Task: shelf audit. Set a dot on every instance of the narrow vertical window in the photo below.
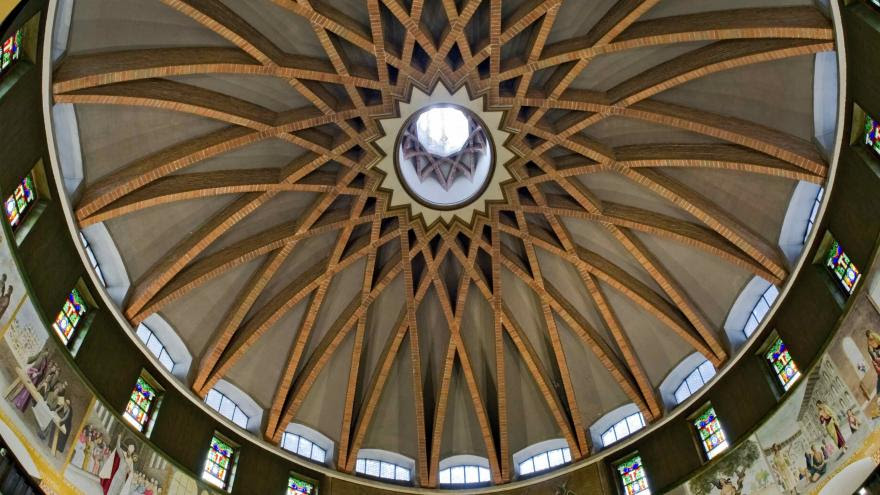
(11, 50)
(632, 476)
(220, 463)
(143, 403)
(70, 317)
(711, 435)
(843, 269)
(20, 202)
(782, 364)
(296, 486)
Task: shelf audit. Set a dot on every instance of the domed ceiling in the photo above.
(646, 153)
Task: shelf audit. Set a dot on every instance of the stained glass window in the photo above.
(694, 381)
(296, 486)
(632, 475)
(623, 428)
(872, 134)
(711, 434)
(19, 203)
(782, 364)
(70, 316)
(225, 406)
(11, 50)
(139, 409)
(218, 465)
(303, 446)
(545, 460)
(381, 469)
(842, 267)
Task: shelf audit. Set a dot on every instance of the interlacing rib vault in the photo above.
(553, 164)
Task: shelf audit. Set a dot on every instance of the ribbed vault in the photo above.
(565, 300)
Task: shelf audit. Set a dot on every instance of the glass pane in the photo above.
(485, 476)
(240, 418)
(682, 393)
(555, 457)
(401, 474)
(360, 466)
(541, 462)
(305, 448)
(154, 345)
(456, 475)
(444, 477)
(386, 470)
(751, 325)
(213, 399)
(289, 442)
(694, 381)
(372, 467)
(227, 407)
(318, 454)
(771, 294)
(166, 361)
(621, 430)
(707, 371)
(471, 474)
(608, 437)
(143, 333)
(527, 467)
(635, 423)
(566, 454)
(761, 308)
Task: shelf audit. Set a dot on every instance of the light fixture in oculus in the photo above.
(444, 156)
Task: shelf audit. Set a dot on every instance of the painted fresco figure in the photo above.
(36, 373)
(65, 416)
(817, 463)
(782, 466)
(80, 451)
(5, 295)
(873, 339)
(116, 475)
(832, 427)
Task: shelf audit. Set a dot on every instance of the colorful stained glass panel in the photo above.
(782, 364)
(140, 404)
(296, 486)
(711, 435)
(842, 267)
(70, 316)
(11, 50)
(872, 134)
(632, 475)
(20, 201)
(218, 463)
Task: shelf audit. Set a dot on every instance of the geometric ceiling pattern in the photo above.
(459, 342)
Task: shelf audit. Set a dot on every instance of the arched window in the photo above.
(235, 405)
(813, 212)
(760, 310)
(623, 428)
(685, 379)
(92, 260)
(103, 256)
(545, 460)
(465, 470)
(155, 346)
(617, 425)
(383, 464)
(306, 442)
(694, 381)
(163, 342)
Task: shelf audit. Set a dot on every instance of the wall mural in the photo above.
(829, 421)
(78, 445)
